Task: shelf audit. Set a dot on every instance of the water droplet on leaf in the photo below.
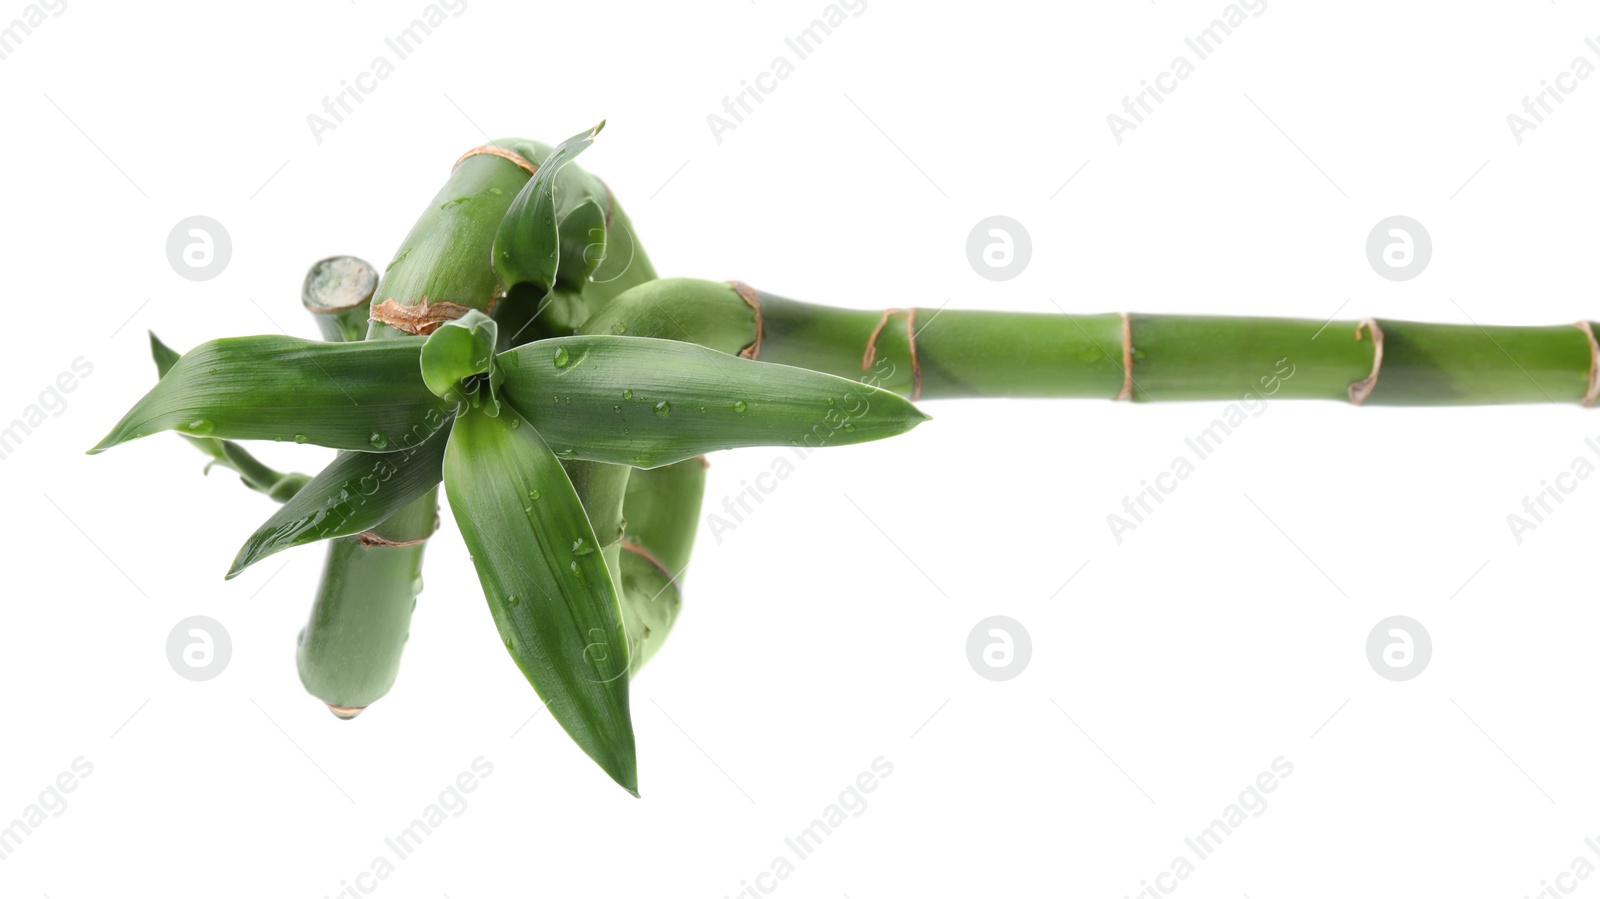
(563, 358)
(378, 441)
(663, 408)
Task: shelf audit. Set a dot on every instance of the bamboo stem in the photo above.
(348, 654)
(930, 353)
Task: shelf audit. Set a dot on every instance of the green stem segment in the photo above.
(349, 651)
(663, 511)
(932, 353)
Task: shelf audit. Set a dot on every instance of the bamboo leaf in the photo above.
(458, 361)
(356, 493)
(549, 591)
(526, 245)
(645, 402)
(228, 454)
(353, 396)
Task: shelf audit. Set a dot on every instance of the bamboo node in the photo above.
(753, 300)
(911, 344)
(370, 539)
(1590, 395)
(1360, 390)
(502, 152)
(421, 318)
(1126, 393)
(650, 557)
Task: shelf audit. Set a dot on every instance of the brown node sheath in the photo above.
(502, 152)
(1126, 393)
(370, 539)
(911, 342)
(648, 556)
(422, 318)
(1360, 390)
(753, 300)
(1593, 392)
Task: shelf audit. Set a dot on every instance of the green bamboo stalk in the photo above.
(348, 654)
(933, 353)
(445, 266)
(662, 508)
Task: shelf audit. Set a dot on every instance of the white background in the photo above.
(829, 629)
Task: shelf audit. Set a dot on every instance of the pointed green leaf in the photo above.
(356, 493)
(548, 587)
(458, 362)
(355, 396)
(526, 245)
(228, 454)
(645, 402)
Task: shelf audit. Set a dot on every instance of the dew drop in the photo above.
(563, 358)
(627, 394)
(582, 547)
(740, 405)
(533, 494)
(201, 426)
(577, 572)
(512, 600)
(663, 408)
(496, 191)
(849, 426)
(301, 438)
(516, 423)
(830, 400)
(378, 441)
(617, 409)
